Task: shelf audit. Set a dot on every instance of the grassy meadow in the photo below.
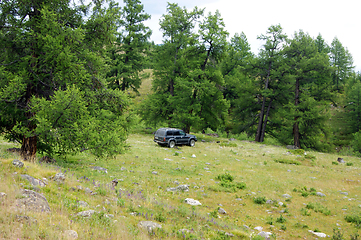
(248, 180)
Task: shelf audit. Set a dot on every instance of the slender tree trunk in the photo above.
(265, 121)
(296, 131)
(261, 114)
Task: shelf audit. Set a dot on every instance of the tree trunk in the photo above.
(296, 131)
(265, 121)
(261, 114)
(28, 148)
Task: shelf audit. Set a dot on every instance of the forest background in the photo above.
(69, 74)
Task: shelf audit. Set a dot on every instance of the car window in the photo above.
(169, 133)
(182, 133)
(176, 133)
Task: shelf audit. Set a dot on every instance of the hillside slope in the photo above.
(241, 186)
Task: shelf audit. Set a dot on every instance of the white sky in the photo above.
(331, 18)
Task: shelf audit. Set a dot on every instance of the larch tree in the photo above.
(341, 62)
(128, 53)
(54, 94)
(268, 72)
(308, 73)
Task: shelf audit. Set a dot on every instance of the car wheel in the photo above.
(192, 143)
(171, 144)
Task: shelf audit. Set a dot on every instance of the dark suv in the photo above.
(173, 136)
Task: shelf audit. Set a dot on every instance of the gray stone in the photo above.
(192, 202)
(184, 188)
(32, 201)
(193, 155)
(292, 147)
(265, 235)
(155, 173)
(33, 181)
(83, 204)
(87, 190)
(18, 163)
(87, 213)
(344, 193)
(259, 228)
(286, 196)
(70, 234)
(280, 203)
(269, 202)
(25, 219)
(221, 211)
(340, 160)
(59, 177)
(238, 199)
(109, 215)
(320, 194)
(101, 169)
(149, 225)
(123, 169)
(3, 195)
(318, 234)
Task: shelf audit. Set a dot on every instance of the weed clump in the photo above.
(226, 184)
(287, 161)
(259, 200)
(355, 219)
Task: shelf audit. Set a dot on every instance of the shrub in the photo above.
(281, 219)
(225, 177)
(259, 200)
(356, 219)
(349, 164)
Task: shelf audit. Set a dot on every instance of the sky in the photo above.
(330, 18)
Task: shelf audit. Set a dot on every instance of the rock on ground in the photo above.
(149, 225)
(59, 177)
(33, 181)
(318, 234)
(70, 234)
(32, 201)
(100, 169)
(265, 235)
(222, 211)
(87, 213)
(18, 163)
(192, 202)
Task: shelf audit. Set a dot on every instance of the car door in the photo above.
(183, 137)
(177, 137)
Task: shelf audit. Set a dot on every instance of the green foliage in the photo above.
(128, 53)
(317, 207)
(226, 177)
(56, 55)
(355, 219)
(281, 219)
(259, 200)
(337, 235)
(226, 184)
(68, 124)
(228, 144)
(287, 161)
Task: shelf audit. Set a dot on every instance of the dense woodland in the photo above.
(66, 69)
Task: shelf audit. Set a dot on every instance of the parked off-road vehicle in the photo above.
(172, 136)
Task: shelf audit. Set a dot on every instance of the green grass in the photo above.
(217, 177)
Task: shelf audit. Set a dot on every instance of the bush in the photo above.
(225, 177)
(259, 200)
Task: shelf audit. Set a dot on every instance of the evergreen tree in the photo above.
(187, 78)
(341, 61)
(128, 53)
(53, 91)
(309, 73)
(268, 73)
